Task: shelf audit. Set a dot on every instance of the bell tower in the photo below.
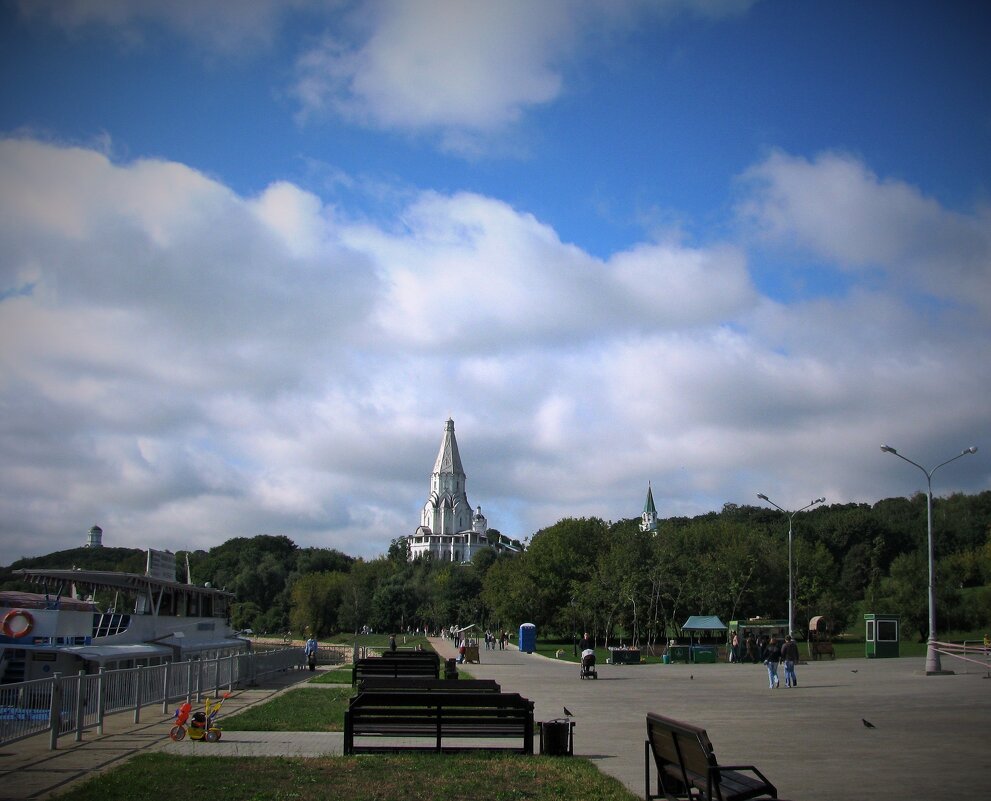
(648, 520)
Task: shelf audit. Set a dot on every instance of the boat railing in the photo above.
(69, 705)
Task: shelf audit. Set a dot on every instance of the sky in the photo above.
(253, 255)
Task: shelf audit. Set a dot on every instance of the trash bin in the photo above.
(555, 737)
(451, 668)
(704, 654)
(680, 653)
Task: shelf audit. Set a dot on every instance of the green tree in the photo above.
(509, 593)
(559, 557)
(316, 602)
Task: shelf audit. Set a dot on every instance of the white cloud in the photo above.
(182, 365)
(439, 63)
(465, 68)
(841, 211)
(504, 279)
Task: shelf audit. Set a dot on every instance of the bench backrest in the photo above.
(426, 656)
(422, 684)
(399, 700)
(381, 666)
(680, 749)
(373, 664)
(438, 715)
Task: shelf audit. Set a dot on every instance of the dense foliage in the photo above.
(613, 580)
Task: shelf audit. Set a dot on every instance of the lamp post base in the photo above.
(934, 666)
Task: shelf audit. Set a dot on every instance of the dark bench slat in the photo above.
(439, 715)
(409, 653)
(418, 683)
(425, 664)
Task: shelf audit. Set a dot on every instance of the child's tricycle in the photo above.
(203, 726)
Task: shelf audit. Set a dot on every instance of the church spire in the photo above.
(648, 520)
(447, 510)
(448, 458)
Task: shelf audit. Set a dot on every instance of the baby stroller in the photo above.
(588, 670)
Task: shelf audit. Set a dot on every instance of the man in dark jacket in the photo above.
(771, 658)
(789, 655)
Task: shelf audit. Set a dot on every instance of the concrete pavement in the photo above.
(932, 737)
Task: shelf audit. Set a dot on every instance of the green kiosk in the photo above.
(882, 635)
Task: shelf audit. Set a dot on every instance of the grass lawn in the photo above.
(411, 777)
(337, 676)
(304, 709)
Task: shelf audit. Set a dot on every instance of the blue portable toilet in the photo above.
(528, 638)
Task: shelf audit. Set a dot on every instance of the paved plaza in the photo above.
(932, 735)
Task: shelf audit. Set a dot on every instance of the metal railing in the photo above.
(63, 705)
(970, 652)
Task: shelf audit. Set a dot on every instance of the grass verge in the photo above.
(338, 676)
(304, 709)
(412, 777)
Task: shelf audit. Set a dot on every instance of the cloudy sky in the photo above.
(254, 254)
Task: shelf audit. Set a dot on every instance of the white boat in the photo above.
(87, 620)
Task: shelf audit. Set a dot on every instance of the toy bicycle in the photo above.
(202, 726)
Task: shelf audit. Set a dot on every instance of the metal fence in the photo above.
(63, 705)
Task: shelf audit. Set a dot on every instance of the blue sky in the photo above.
(255, 254)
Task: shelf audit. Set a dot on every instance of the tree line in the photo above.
(616, 582)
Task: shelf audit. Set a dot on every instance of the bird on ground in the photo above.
(868, 724)
(691, 678)
(853, 671)
(568, 712)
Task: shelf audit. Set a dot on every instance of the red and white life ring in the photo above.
(22, 629)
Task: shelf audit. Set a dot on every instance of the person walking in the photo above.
(751, 648)
(772, 655)
(310, 651)
(789, 655)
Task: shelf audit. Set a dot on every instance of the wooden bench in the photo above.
(687, 767)
(440, 717)
(427, 665)
(419, 684)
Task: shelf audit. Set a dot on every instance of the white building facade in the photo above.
(449, 529)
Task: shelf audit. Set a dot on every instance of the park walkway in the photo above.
(932, 737)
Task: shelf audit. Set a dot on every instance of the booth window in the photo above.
(870, 631)
(887, 631)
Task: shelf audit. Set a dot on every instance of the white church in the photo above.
(449, 529)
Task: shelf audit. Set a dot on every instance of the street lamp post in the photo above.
(791, 518)
(933, 664)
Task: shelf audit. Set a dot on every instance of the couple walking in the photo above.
(787, 653)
